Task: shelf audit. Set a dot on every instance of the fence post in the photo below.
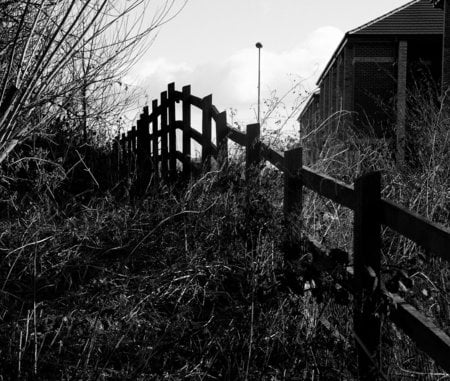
(123, 146)
(206, 130)
(222, 139)
(129, 152)
(133, 136)
(143, 150)
(252, 149)
(292, 203)
(155, 138)
(139, 148)
(116, 151)
(164, 152)
(133, 140)
(124, 156)
(186, 132)
(115, 162)
(252, 159)
(367, 264)
(172, 132)
(146, 136)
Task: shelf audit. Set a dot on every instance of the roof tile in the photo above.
(416, 17)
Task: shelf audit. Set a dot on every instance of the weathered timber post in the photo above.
(116, 151)
(155, 138)
(139, 143)
(252, 159)
(133, 140)
(133, 149)
(367, 264)
(172, 132)
(252, 149)
(129, 152)
(164, 145)
(123, 145)
(292, 205)
(143, 150)
(222, 139)
(206, 131)
(186, 132)
(124, 156)
(128, 140)
(146, 132)
(115, 159)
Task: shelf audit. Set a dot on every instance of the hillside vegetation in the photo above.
(193, 280)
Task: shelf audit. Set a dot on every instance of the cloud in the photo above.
(233, 81)
(155, 74)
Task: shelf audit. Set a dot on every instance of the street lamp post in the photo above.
(259, 46)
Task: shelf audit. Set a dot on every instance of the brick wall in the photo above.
(325, 96)
(375, 85)
(310, 115)
(402, 68)
(322, 102)
(375, 49)
(339, 82)
(446, 48)
(374, 92)
(348, 82)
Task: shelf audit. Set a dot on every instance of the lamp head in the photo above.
(259, 45)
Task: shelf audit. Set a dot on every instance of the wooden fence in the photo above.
(155, 152)
(150, 147)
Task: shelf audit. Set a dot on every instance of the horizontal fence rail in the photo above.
(152, 152)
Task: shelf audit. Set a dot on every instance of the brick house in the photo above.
(371, 68)
(445, 6)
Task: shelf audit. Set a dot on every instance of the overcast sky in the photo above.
(211, 45)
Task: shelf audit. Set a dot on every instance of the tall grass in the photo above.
(193, 281)
(164, 287)
(422, 185)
